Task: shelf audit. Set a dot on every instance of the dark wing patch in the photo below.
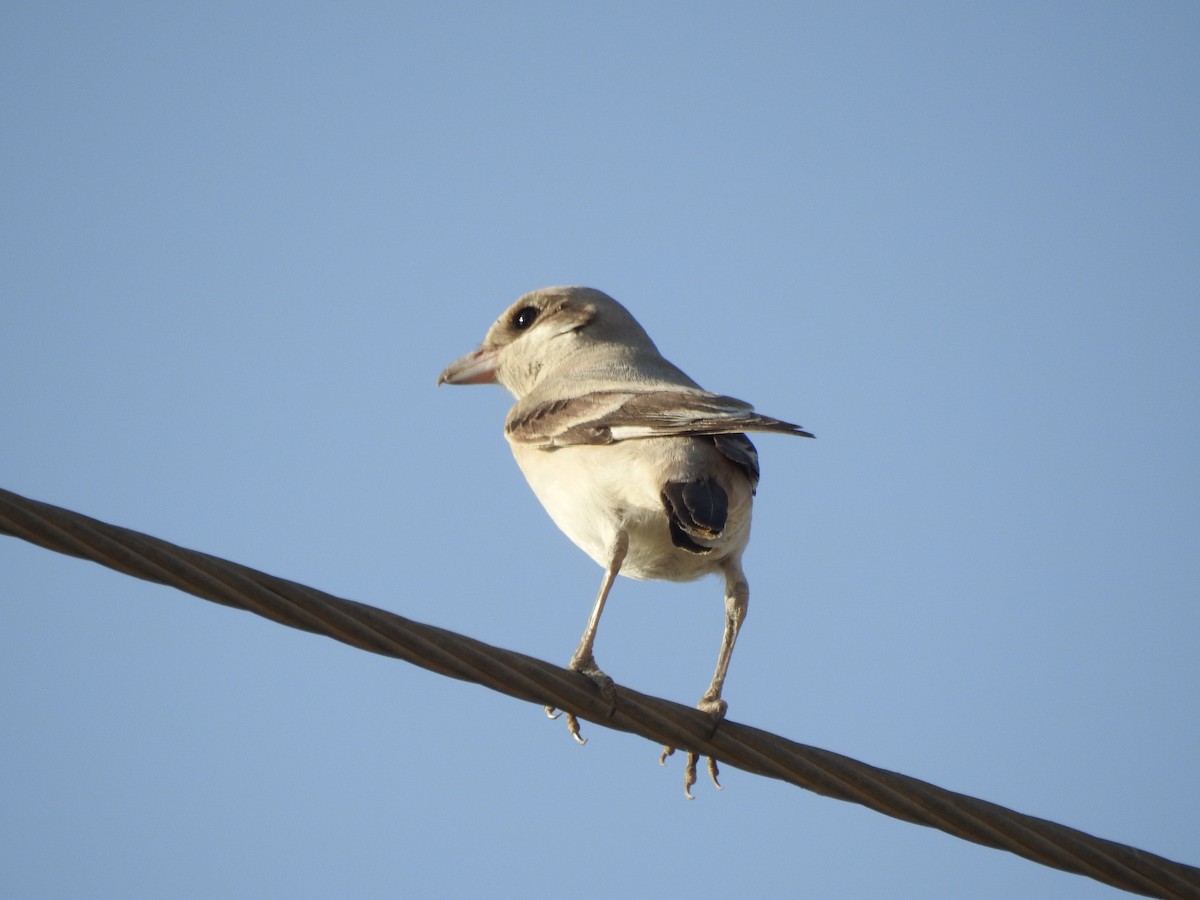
(696, 510)
(738, 450)
(560, 423)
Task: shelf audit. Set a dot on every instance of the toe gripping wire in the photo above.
(661, 721)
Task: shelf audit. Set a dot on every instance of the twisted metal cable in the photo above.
(661, 721)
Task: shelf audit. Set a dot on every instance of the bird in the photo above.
(647, 473)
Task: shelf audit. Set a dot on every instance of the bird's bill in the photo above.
(477, 367)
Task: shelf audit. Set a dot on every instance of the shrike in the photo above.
(649, 475)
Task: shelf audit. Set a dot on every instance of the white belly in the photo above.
(592, 491)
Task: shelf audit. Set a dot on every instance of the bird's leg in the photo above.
(737, 600)
(584, 660)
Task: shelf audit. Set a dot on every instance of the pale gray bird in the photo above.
(644, 471)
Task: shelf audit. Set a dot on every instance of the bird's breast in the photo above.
(592, 491)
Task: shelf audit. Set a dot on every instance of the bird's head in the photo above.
(555, 332)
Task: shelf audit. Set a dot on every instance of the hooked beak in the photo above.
(477, 367)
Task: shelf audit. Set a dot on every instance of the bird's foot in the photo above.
(587, 666)
(572, 724)
(689, 771)
(715, 707)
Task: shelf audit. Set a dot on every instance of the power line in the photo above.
(539, 682)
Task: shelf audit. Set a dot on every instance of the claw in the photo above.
(572, 723)
(689, 775)
(573, 727)
(689, 770)
(587, 667)
(712, 773)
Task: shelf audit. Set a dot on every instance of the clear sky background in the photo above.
(238, 242)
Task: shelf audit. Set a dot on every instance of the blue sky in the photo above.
(239, 242)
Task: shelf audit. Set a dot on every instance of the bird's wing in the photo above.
(604, 417)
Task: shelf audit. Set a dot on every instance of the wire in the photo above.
(661, 721)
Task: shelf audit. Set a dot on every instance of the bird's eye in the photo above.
(524, 317)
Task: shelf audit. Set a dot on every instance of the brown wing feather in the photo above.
(603, 417)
